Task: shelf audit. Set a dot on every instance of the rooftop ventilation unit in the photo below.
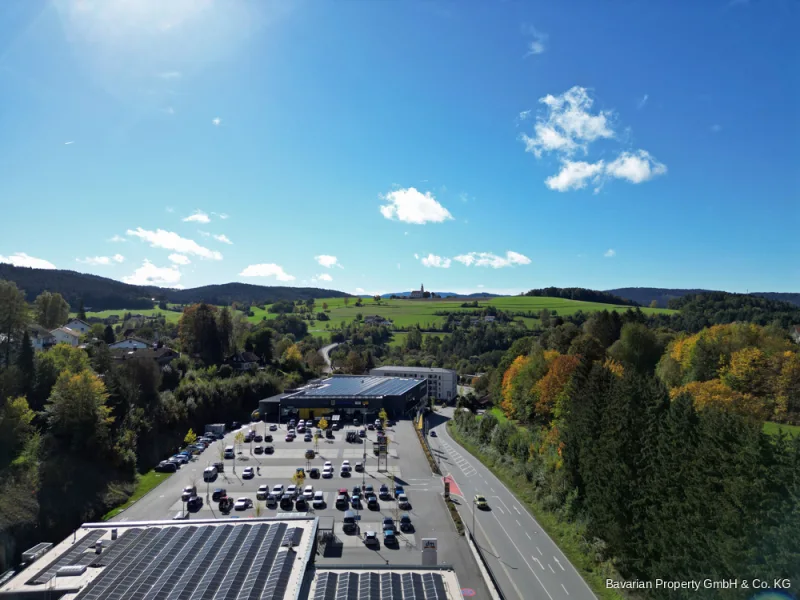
(36, 552)
(71, 571)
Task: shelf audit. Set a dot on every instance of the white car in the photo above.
(328, 465)
(263, 492)
(308, 492)
(327, 472)
(346, 462)
(292, 490)
(248, 473)
(277, 490)
(319, 499)
(345, 467)
(243, 504)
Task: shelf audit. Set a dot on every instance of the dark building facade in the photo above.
(349, 396)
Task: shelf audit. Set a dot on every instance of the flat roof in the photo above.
(361, 386)
(260, 557)
(390, 583)
(394, 369)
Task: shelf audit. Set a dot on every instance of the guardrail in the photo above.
(485, 569)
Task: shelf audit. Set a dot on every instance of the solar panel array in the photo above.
(245, 562)
(81, 552)
(379, 586)
(362, 386)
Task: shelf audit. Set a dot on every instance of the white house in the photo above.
(79, 326)
(65, 335)
(41, 339)
(131, 343)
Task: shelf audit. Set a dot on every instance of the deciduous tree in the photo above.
(52, 310)
(13, 317)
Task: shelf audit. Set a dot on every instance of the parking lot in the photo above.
(406, 462)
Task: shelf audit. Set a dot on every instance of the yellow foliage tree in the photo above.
(715, 393)
(615, 367)
(553, 383)
(507, 387)
(747, 371)
(323, 423)
(292, 355)
(190, 437)
(551, 355)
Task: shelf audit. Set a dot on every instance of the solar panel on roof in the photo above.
(71, 555)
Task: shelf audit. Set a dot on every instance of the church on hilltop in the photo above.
(420, 293)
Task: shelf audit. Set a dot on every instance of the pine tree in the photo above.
(81, 311)
(26, 364)
(108, 335)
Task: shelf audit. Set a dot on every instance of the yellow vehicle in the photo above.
(480, 501)
(301, 472)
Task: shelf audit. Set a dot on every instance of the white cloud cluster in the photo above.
(20, 259)
(170, 240)
(436, 261)
(267, 270)
(536, 45)
(179, 259)
(610, 253)
(150, 274)
(216, 121)
(101, 260)
(328, 261)
(117, 238)
(569, 126)
(412, 206)
(487, 259)
(322, 277)
(198, 217)
(222, 238)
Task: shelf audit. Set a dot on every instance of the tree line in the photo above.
(581, 294)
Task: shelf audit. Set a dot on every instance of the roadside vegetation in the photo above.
(145, 483)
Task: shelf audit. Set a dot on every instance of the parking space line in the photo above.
(529, 535)
(551, 567)
(565, 589)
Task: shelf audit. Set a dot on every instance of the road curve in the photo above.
(325, 352)
(526, 562)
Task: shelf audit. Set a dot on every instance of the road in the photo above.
(326, 354)
(526, 562)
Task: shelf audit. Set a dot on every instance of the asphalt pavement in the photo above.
(526, 562)
(325, 351)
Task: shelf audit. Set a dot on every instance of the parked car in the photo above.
(355, 500)
(389, 538)
(210, 474)
(388, 523)
(166, 467)
(194, 504)
(301, 504)
(243, 504)
(372, 502)
(308, 438)
(368, 489)
(267, 438)
(272, 500)
(384, 491)
(226, 504)
(287, 501)
(356, 489)
(220, 467)
(319, 499)
(258, 438)
(371, 539)
(327, 472)
(181, 458)
(174, 461)
(188, 492)
(269, 449)
(433, 433)
(310, 454)
(313, 472)
(405, 523)
(341, 501)
(402, 501)
(292, 490)
(289, 438)
(218, 493)
(362, 433)
(273, 427)
(248, 473)
(308, 492)
(277, 489)
(359, 466)
(398, 490)
(258, 450)
(371, 427)
(262, 493)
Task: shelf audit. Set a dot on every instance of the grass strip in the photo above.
(144, 484)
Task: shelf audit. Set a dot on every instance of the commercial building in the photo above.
(348, 396)
(379, 583)
(231, 558)
(442, 383)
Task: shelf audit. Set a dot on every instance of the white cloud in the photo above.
(149, 274)
(568, 124)
(436, 261)
(610, 253)
(95, 260)
(170, 75)
(68, 143)
(573, 175)
(416, 256)
(169, 240)
(322, 277)
(411, 206)
(359, 290)
(488, 259)
(118, 258)
(179, 259)
(222, 216)
(480, 285)
(635, 167)
(222, 238)
(537, 43)
(328, 261)
(117, 238)
(20, 259)
(267, 270)
(405, 233)
(524, 115)
(642, 101)
(198, 217)
(216, 121)
(204, 233)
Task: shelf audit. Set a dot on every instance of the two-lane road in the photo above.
(526, 562)
(325, 352)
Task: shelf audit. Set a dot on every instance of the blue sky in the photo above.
(375, 145)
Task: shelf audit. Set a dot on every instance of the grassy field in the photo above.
(146, 483)
(399, 338)
(774, 428)
(171, 316)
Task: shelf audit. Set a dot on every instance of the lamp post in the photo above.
(474, 508)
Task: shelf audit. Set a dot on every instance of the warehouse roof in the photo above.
(358, 385)
(401, 369)
(239, 557)
(376, 583)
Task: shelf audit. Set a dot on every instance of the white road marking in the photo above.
(537, 562)
(558, 563)
(551, 567)
(518, 523)
(491, 488)
(516, 509)
(501, 510)
(523, 556)
(565, 589)
(540, 552)
(528, 534)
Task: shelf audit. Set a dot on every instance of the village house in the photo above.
(244, 361)
(41, 339)
(162, 356)
(65, 335)
(130, 343)
(79, 326)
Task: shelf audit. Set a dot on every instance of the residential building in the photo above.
(79, 326)
(163, 356)
(418, 293)
(244, 361)
(65, 335)
(131, 342)
(41, 339)
(442, 383)
(349, 397)
(111, 320)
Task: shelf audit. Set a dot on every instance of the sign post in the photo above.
(429, 557)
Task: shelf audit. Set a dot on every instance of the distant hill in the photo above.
(449, 295)
(645, 296)
(583, 295)
(102, 293)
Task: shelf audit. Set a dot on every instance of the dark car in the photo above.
(268, 449)
(219, 466)
(287, 501)
(356, 489)
(384, 491)
(362, 433)
(368, 489)
(258, 450)
(267, 438)
(371, 427)
(258, 438)
(389, 538)
(218, 493)
(433, 433)
(273, 427)
(301, 504)
(355, 500)
(194, 504)
(341, 501)
(372, 502)
(405, 523)
(388, 523)
(313, 472)
(166, 467)
(329, 434)
(272, 500)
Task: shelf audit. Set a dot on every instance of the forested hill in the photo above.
(645, 295)
(102, 293)
(583, 295)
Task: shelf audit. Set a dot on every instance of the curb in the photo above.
(487, 579)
